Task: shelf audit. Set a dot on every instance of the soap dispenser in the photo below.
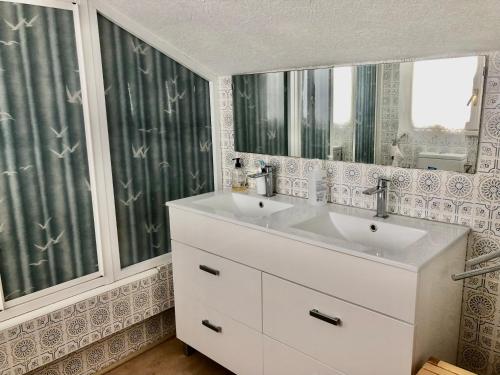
(239, 182)
(317, 186)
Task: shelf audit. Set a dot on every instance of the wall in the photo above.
(471, 200)
(48, 338)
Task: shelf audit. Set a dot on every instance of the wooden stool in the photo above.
(436, 367)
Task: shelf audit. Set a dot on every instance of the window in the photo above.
(67, 172)
(160, 139)
(47, 232)
(441, 91)
(342, 95)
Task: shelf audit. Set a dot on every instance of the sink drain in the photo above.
(261, 204)
(373, 228)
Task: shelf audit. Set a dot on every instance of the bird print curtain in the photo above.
(159, 127)
(260, 113)
(366, 96)
(46, 219)
(315, 112)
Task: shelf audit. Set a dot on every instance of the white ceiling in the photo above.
(240, 36)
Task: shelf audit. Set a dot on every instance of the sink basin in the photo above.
(374, 234)
(244, 205)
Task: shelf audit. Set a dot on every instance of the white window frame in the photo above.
(99, 162)
(48, 296)
(131, 26)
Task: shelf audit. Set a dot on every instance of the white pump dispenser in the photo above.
(317, 186)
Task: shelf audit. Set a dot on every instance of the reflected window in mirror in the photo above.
(439, 99)
(438, 113)
(343, 114)
(260, 113)
(315, 112)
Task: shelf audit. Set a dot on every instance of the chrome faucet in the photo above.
(381, 191)
(267, 173)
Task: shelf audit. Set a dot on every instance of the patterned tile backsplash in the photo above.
(472, 200)
(107, 352)
(47, 338)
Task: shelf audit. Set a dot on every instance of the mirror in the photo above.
(422, 114)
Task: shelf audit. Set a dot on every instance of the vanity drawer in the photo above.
(235, 345)
(344, 336)
(280, 359)
(222, 284)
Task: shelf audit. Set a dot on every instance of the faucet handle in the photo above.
(268, 169)
(382, 181)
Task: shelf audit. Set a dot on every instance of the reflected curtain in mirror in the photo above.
(260, 113)
(366, 96)
(46, 218)
(159, 129)
(315, 112)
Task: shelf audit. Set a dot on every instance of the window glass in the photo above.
(440, 92)
(160, 134)
(46, 218)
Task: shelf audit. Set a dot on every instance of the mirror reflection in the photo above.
(423, 114)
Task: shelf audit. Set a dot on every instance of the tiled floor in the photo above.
(168, 359)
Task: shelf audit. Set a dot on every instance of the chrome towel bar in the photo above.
(480, 271)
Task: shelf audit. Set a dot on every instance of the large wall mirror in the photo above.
(422, 114)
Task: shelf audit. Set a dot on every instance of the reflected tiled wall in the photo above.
(47, 338)
(472, 200)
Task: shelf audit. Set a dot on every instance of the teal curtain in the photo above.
(315, 110)
(366, 95)
(159, 127)
(46, 219)
(260, 113)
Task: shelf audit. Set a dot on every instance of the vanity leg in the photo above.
(188, 350)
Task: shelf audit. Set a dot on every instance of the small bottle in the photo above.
(317, 187)
(239, 180)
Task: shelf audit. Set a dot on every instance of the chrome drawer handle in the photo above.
(209, 270)
(207, 324)
(326, 318)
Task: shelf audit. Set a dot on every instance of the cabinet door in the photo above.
(226, 286)
(226, 341)
(280, 359)
(352, 339)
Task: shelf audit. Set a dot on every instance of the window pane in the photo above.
(441, 90)
(342, 95)
(46, 219)
(159, 128)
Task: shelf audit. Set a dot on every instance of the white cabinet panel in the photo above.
(280, 359)
(362, 342)
(380, 287)
(219, 283)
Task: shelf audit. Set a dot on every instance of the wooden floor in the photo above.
(168, 359)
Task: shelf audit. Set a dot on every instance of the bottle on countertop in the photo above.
(239, 180)
(317, 186)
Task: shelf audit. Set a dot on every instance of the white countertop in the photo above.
(439, 235)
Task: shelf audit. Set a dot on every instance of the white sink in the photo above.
(374, 234)
(243, 205)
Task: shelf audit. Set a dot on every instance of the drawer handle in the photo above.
(209, 270)
(329, 319)
(207, 324)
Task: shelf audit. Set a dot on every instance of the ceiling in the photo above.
(241, 36)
